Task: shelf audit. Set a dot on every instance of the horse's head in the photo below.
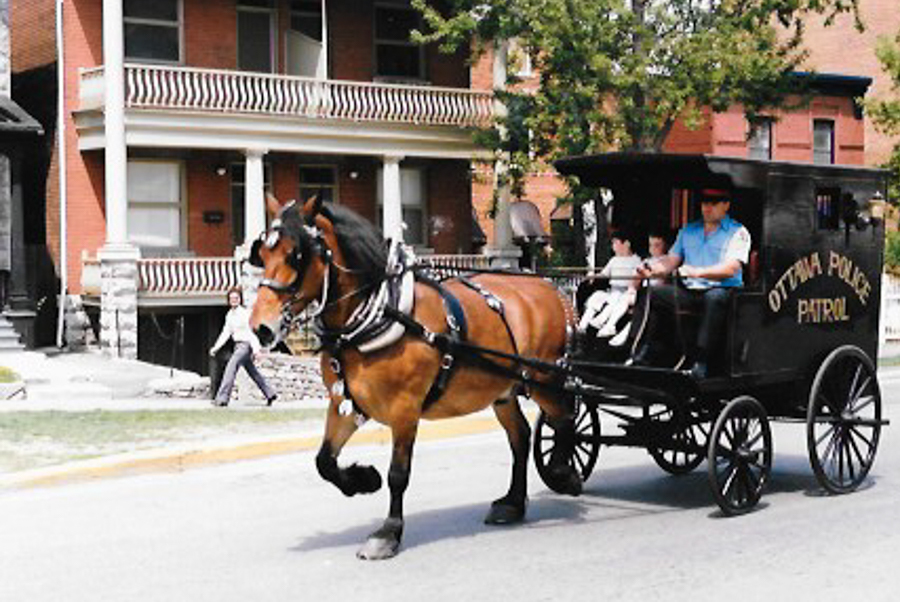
(295, 254)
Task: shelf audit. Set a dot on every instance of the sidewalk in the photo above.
(88, 380)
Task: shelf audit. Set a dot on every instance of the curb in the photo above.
(164, 460)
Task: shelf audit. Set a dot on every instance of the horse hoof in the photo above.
(505, 513)
(362, 479)
(383, 543)
(566, 480)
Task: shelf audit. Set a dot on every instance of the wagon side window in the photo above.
(828, 208)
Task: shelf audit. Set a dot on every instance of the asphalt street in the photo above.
(272, 530)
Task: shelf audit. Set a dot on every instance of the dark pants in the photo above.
(242, 356)
(665, 305)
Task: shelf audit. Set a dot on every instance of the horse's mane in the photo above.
(362, 245)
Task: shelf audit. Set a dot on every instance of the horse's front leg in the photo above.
(385, 542)
(354, 478)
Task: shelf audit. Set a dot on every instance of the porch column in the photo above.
(118, 258)
(503, 253)
(254, 196)
(254, 219)
(391, 203)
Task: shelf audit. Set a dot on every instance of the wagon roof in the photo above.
(613, 170)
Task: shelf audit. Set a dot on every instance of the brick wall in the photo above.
(85, 221)
(842, 49)
(32, 33)
(208, 191)
(449, 210)
(210, 34)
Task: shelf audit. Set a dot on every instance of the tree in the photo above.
(885, 112)
(616, 74)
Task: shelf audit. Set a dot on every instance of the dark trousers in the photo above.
(661, 309)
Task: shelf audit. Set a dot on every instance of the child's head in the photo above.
(621, 243)
(656, 244)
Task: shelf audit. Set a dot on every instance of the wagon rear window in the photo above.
(828, 203)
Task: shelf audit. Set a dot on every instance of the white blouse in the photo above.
(237, 326)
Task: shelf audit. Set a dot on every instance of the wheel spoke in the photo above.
(864, 403)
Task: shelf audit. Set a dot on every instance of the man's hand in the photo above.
(212, 353)
(689, 271)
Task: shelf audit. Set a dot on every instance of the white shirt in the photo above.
(620, 270)
(237, 326)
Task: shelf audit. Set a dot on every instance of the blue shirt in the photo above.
(729, 241)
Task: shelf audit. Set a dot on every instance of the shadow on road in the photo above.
(609, 495)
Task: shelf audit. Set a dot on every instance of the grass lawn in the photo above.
(33, 439)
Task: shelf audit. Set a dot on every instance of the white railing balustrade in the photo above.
(222, 91)
(447, 266)
(890, 308)
(188, 275)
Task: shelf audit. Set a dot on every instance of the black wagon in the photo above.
(802, 333)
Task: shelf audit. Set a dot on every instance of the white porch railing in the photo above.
(188, 275)
(181, 276)
(221, 91)
(890, 308)
(446, 266)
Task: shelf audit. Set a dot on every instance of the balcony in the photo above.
(183, 106)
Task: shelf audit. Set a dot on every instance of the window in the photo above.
(519, 59)
(152, 30)
(256, 36)
(238, 192)
(154, 203)
(306, 18)
(395, 55)
(412, 195)
(314, 178)
(828, 208)
(305, 41)
(759, 142)
(823, 142)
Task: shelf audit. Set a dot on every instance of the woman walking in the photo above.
(246, 346)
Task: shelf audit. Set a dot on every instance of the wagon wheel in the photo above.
(740, 455)
(843, 419)
(583, 456)
(685, 437)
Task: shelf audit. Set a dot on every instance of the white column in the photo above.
(116, 154)
(392, 206)
(504, 253)
(118, 258)
(254, 196)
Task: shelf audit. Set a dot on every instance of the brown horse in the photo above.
(337, 259)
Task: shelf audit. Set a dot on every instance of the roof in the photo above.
(639, 170)
(14, 119)
(836, 84)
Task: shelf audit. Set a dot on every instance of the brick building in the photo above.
(178, 113)
(840, 48)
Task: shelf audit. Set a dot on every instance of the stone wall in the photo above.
(293, 377)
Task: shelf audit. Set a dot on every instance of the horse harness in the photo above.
(385, 316)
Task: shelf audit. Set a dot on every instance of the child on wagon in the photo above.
(657, 246)
(604, 308)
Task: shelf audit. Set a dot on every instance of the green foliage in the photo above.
(7, 375)
(615, 74)
(892, 252)
(885, 112)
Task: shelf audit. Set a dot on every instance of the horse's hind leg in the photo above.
(511, 507)
(560, 412)
(385, 542)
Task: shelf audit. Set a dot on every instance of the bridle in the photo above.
(299, 262)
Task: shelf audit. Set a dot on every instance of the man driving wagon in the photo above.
(708, 255)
